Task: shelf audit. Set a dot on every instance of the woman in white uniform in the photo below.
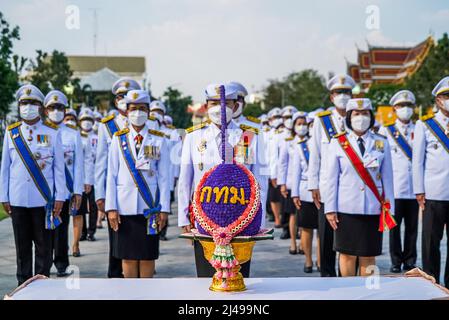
(359, 198)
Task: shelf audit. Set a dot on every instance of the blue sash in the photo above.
(39, 180)
(305, 150)
(112, 127)
(328, 125)
(69, 184)
(400, 140)
(436, 129)
(154, 207)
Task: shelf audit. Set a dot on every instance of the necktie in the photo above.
(138, 139)
(361, 145)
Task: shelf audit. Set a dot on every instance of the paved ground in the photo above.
(270, 258)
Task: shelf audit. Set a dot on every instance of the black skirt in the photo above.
(132, 241)
(308, 215)
(274, 194)
(358, 235)
(288, 207)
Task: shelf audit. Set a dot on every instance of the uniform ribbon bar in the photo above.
(154, 207)
(36, 174)
(401, 141)
(69, 184)
(438, 132)
(386, 220)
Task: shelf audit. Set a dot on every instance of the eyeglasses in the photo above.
(342, 91)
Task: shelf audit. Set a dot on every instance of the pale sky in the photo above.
(190, 43)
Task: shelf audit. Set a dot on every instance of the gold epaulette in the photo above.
(14, 125)
(108, 118)
(427, 117)
(253, 119)
(389, 124)
(71, 127)
(84, 134)
(278, 131)
(245, 127)
(301, 141)
(289, 138)
(156, 133)
(196, 127)
(339, 134)
(266, 129)
(121, 132)
(324, 113)
(151, 118)
(170, 126)
(51, 125)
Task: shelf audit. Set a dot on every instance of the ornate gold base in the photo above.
(243, 252)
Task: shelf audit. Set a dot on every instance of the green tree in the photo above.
(8, 76)
(305, 90)
(380, 94)
(434, 68)
(176, 105)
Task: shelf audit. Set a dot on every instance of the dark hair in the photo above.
(348, 119)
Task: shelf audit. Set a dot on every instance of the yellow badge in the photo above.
(28, 91)
(202, 146)
(379, 145)
(360, 104)
(135, 95)
(55, 98)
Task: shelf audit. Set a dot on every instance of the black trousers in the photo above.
(115, 269)
(88, 205)
(405, 210)
(205, 270)
(435, 217)
(61, 240)
(327, 253)
(29, 227)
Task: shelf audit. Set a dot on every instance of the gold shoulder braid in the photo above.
(427, 117)
(339, 134)
(51, 125)
(14, 125)
(156, 133)
(324, 113)
(196, 127)
(252, 119)
(106, 119)
(71, 127)
(121, 132)
(249, 128)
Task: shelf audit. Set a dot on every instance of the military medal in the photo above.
(37, 156)
(200, 166)
(379, 145)
(202, 146)
(435, 146)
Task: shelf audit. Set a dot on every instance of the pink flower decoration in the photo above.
(222, 236)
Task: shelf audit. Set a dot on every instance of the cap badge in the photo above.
(360, 104)
(55, 98)
(342, 80)
(126, 84)
(28, 91)
(135, 95)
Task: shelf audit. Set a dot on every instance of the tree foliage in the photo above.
(176, 105)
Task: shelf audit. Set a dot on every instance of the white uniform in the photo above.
(430, 159)
(298, 172)
(122, 193)
(74, 157)
(89, 140)
(275, 140)
(174, 145)
(201, 151)
(287, 151)
(101, 161)
(319, 148)
(402, 165)
(345, 191)
(17, 185)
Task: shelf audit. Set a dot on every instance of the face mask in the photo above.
(404, 113)
(158, 116)
(86, 125)
(288, 123)
(56, 116)
(276, 122)
(121, 105)
(301, 130)
(360, 123)
(341, 101)
(71, 123)
(29, 111)
(214, 114)
(138, 117)
(239, 110)
(445, 104)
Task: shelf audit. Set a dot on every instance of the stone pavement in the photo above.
(270, 258)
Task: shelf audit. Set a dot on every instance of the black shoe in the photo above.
(300, 251)
(318, 268)
(285, 235)
(91, 237)
(76, 254)
(83, 237)
(408, 267)
(163, 238)
(62, 273)
(395, 269)
(278, 226)
(292, 251)
(308, 269)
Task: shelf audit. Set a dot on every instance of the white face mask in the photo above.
(121, 105)
(360, 123)
(288, 123)
(158, 116)
(404, 113)
(445, 104)
(137, 117)
(29, 111)
(276, 122)
(301, 130)
(341, 100)
(239, 110)
(70, 123)
(86, 125)
(214, 114)
(56, 116)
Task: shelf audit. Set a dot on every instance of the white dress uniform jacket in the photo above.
(101, 161)
(345, 191)
(287, 151)
(318, 151)
(173, 142)
(74, 157)
(122, 193)
(299, 173)
(17, 186)
(402, 166)
(201, 151)
(89, 140)
(276, 139)
(430, 162)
